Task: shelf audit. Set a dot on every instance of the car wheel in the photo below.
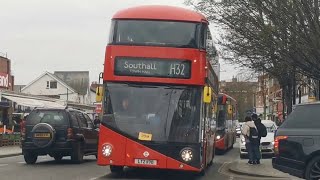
(57, 157)
(313, 169)
(116, 169)
(30, 158)
(77, 155)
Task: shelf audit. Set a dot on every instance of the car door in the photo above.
(93, 133)
(84, 130)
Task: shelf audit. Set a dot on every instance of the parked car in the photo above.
(238, 129)
(297, 143)
(59, 133)
(266, 144)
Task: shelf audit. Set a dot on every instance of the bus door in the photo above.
(208, 134)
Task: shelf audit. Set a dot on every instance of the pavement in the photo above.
(263, 170)
(8, 151)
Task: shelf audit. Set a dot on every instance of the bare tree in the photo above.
(279, 37)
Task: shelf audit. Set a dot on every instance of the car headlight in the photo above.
(106, 150)
(186, 155)
(218, 137)
(272, 142)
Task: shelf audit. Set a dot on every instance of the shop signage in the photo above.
(4, 80)
(98, 109)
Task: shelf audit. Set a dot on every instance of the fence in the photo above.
(12, 139)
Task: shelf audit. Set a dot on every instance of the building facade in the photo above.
(243, 93)
(54, 86)
(6, 77)
(6, 83)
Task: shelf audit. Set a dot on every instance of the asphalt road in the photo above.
(14, 168)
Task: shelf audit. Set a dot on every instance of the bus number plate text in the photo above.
(145, 162)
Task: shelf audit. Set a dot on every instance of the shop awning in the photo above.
(30, 102)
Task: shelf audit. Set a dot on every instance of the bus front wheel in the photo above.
(116, 169)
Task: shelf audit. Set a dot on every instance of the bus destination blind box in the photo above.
(151, 67)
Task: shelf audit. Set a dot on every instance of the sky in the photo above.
(63, 35)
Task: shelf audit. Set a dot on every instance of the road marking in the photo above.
(22, 162)
(94, 178)
(3, 165)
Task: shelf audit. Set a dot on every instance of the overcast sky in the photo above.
(62, 35)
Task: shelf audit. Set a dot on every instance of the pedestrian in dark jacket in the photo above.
(96, 121)
(261, 128)
(250, 133)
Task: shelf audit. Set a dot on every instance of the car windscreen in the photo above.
(304, 116)
(54, 117)
(156, 33)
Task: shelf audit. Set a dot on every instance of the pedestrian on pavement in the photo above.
(262, 132)
(250, 133)
(96, 121)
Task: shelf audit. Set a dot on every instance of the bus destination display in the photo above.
(129, 66)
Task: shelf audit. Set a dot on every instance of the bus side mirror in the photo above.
(207, 94)
(99, 94)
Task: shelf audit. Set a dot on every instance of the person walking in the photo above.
(96, 121)
(250, 133)
(262, 132)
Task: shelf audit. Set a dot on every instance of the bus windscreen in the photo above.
(168, 113)
(156, 33)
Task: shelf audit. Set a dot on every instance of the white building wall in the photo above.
(39, 87)
(92, 97)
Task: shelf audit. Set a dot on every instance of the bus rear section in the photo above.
(226, 123)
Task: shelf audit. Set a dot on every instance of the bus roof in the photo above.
(160, 12)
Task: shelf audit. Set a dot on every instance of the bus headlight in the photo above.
(218, 137)
(106, 150)
(186, 155)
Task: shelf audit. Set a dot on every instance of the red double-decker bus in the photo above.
(227, 118)
(159, 91)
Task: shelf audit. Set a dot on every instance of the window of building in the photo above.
(52, 84)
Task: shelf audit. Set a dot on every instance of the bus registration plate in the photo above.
(145, 162)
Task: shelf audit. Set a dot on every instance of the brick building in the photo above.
(6, 83)
(6, 78)
(243, 93)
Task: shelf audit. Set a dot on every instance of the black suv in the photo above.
(297, 143)
(58, 132)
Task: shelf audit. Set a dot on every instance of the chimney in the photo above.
(234, 79)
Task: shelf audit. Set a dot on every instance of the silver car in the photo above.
(266, 144)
